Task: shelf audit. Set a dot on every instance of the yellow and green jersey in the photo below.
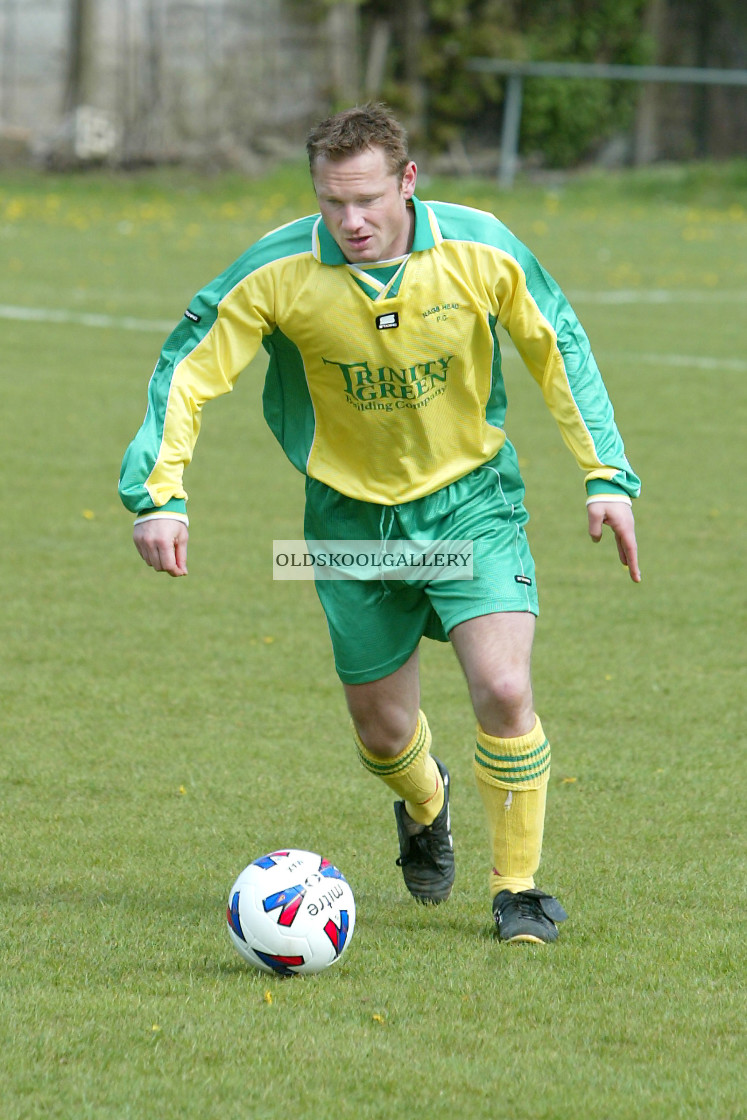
(384, 381)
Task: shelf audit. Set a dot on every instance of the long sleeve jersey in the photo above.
(383, 381)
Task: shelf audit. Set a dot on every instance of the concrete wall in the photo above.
(167, 78)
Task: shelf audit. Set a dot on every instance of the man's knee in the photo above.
(503, 702)
(385, 712)
(384, 730)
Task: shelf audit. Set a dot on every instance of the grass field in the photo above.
(159, 734)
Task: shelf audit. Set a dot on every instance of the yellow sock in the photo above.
(412, 774)
(512, 777)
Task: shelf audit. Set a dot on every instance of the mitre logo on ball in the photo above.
(291, 912)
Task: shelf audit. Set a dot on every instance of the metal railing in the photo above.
(516, 71)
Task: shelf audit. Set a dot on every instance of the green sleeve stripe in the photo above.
(175, 505)
(604, 486)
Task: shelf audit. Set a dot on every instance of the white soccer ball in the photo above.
(291, 912)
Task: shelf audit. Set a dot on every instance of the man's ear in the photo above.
(409, 178)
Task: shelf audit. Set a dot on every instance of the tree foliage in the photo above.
(562, 119)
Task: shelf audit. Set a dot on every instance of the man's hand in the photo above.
(162, 543)
(619, 517)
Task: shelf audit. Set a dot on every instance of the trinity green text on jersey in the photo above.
(367, 384)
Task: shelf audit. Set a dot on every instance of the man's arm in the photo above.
(201, 359)
(162, 543)
(557, 352)
(619, 517)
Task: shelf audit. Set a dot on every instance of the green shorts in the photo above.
(376, 625)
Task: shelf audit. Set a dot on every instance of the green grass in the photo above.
(159, 734)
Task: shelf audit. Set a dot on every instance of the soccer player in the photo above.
(384, 387)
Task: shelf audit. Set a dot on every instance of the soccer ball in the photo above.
(291, 912)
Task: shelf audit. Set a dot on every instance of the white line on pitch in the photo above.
(676, 361)
(679, 361)
(84, 318)
(658, 295)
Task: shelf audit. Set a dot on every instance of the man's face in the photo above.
(364, 205)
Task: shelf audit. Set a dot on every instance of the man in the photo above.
(384, 388)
